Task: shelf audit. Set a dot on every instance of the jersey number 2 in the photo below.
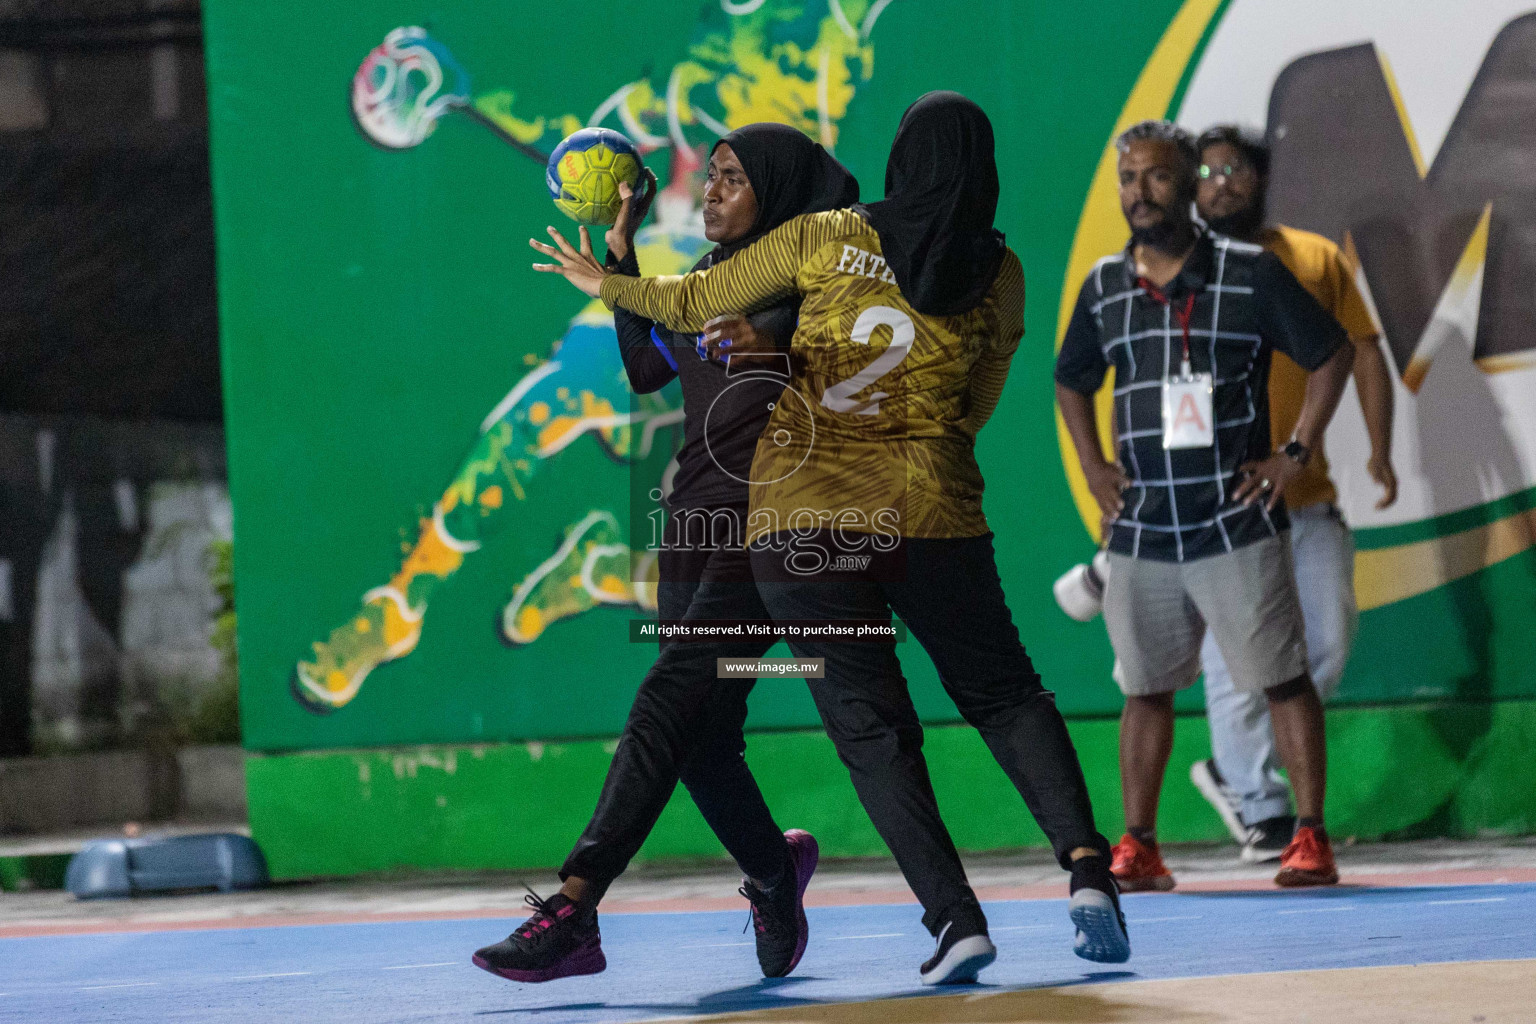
(839, 397)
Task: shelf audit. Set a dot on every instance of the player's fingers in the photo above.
(549, 250)
(565, 247)
(586, 242)
(721, 327)
(625, 192)
(549, 268)
(645, 196)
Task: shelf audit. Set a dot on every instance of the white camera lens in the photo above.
(1080, 590)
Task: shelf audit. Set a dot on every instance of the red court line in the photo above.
(826, 898)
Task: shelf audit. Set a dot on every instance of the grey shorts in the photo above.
(1158, 612)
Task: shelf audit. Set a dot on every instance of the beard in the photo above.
(1241, 223)
(1167, 234)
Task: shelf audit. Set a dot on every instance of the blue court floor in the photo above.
(673, 965)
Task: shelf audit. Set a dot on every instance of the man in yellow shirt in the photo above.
(1241, 781)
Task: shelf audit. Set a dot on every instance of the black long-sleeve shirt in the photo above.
(724, 411)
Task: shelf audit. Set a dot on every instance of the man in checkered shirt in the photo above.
(1198, 535)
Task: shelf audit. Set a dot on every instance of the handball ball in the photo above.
(584, 174)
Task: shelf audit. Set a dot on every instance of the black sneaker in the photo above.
(1095, 911)
(558, 941)
(1222, 797)
(963, 948)
(778, 914)
(1268, 839)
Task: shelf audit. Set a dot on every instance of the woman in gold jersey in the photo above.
(867, 499)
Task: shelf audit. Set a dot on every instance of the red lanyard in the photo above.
(1183, 315)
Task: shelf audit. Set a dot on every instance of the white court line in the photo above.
(716, 945)
(1186, 917)
(412, 967)
(1022, 928)
(1452, 903)
(882, 935)
(127, 984)
(280, 974)
(1319, 910)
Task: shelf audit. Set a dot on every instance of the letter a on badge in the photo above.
(1188, 415)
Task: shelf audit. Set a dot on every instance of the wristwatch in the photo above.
(1297, 451)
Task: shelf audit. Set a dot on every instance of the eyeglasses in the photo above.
(1228, 171)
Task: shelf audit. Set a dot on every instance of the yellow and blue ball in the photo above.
(584, 174)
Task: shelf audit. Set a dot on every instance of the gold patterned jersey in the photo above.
(875, 433)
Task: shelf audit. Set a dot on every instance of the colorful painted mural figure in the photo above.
(753, 60)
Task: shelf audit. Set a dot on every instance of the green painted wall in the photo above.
(521, 806)
(376, 305)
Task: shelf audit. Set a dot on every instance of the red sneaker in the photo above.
(1139, 868)
(1308, 860)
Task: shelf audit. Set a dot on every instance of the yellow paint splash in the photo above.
(430, 557)
(784, 82)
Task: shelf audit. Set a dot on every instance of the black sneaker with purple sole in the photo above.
(778, 914)
(558, 941)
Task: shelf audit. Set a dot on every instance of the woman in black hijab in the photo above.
(935, 222)
(893, 466)
(758, 177)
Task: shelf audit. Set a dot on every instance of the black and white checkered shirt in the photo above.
(1246, 303)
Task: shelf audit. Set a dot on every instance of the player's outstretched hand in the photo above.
(621, 237)
(579, 268)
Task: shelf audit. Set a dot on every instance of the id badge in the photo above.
(1187, 416)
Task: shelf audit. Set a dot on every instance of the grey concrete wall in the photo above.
(44, 794)
(212, 782)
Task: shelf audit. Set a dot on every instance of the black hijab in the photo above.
(790, 175)
(935, 222)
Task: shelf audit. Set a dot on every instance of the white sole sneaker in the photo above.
(1257, 855)
(1100, 935)
(965, 959)
(1216, 795)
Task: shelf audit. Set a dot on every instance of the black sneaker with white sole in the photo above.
(1223, 798)
(963, 948)
(1268, 839)
(1095, 911)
